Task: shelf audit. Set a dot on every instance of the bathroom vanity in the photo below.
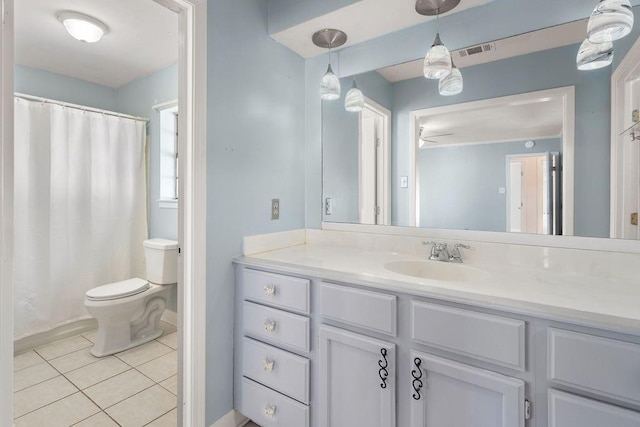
(333, 336)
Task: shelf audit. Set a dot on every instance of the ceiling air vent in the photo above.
(475, 50)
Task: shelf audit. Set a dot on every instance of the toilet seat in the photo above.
(117, 290)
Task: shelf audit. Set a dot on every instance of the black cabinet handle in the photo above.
(417, 378)
(383, 363)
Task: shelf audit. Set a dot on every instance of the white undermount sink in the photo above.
(436, 270)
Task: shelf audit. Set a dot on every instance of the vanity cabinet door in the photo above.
(567, 410)
(357, 380)
(446, 393)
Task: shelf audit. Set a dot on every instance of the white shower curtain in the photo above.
(80, 209)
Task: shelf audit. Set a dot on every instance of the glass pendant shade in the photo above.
(452, 83)
(611, 20)
(592, 56)
(354, 101)
(437, 63)
(330, 86)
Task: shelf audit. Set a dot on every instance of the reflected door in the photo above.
(533, 199)
(368, 167)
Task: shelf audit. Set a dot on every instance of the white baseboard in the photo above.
(170, 317)
(61, 332)
(233, 418)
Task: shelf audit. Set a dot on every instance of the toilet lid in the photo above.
(117, 290)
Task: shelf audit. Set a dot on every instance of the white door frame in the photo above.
(568, 153)
(618, 125)
(6, 220)
(192, 62)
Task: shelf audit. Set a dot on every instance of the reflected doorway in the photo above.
(533, 194)
(374, 204)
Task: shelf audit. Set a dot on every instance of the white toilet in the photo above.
(129, 312)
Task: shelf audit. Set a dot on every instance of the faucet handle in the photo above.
(456, 256)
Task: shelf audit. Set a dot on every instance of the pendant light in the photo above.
(610, 20)
(592, 56)
(437, 62)
(328, 39)
(354, 101)
(452, 83)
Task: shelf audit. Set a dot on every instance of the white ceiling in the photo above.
(514, 121)
(535, 41)
(142, 38)
(356, 20)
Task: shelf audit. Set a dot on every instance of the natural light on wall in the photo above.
(82, 27)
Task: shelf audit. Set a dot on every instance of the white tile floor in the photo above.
(62, 385)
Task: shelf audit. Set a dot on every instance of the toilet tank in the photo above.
(162, 261)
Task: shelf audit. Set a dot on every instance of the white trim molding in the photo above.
(620, 105)
(568, 143)
(232, 418)
(6, 214)
(192, 215)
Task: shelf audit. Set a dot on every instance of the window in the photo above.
(169, 157)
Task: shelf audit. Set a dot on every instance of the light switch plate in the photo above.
(404, 182)
(275, 209)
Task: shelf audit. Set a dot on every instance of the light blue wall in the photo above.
(137, 98)
(255, 152)
(42, 83)
(340, 145)
(459, 184)
(520, 75)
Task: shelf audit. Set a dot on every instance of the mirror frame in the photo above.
(567, 94)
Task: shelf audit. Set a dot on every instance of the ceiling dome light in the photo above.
(610, 20)
(592, 56)
(452, 83)
(437, 62)
(354, 101)
(83, 27)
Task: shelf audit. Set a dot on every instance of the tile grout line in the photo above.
(82, 391)
(155, 419)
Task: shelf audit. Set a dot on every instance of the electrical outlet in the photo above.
(328, 206)
(275, 209)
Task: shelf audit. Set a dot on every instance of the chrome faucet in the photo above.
(456, 256)
(439, 252)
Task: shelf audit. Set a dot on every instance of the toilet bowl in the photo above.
(129, 312)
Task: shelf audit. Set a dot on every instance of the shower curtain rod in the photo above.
(78, 107)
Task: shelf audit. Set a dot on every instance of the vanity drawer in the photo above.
(275, 368)
(486, 337)
(567, 410)
(607, 367)
(291, 293)
(277, 326)
(365, 309)
(269, 408)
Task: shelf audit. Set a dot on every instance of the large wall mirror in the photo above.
(527, 147)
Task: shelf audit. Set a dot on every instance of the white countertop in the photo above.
(602, 302)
